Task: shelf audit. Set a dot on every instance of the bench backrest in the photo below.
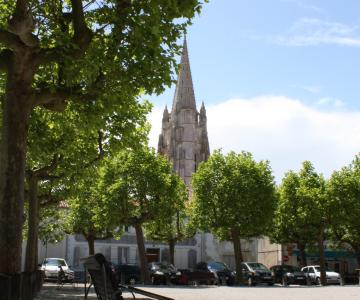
(100, 272)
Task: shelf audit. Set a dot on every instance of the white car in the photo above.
(313, 273)
(52, 266)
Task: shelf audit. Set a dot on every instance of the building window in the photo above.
(123, 255)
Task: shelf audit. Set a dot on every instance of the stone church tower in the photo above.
(183, 137)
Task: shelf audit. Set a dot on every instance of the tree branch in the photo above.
(44, 172)
(5, 58)
(54, 97)
(47, 200)
(82, 38)
(10, 40)
(21, 24)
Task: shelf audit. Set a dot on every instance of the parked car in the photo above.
(197, 277)
(52, 266)
(287, 274)
(313, 273)
(163, 273)
(256, 273)
(221, 271)
(129, 274)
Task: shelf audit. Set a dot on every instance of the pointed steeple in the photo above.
(165, 115)
(202, 115)
(184, 94)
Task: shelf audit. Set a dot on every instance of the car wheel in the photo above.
(317, 281)
(132, 281)
(284, 281)
(193, 283)
(251, 282)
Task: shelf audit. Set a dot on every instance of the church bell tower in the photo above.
(184, 138)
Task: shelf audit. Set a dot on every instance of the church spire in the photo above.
(184, 94)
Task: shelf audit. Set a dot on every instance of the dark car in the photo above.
(163, 273)
(256, 273)
(287, 274)
(197, 277)
(128, 274)
(223, 274)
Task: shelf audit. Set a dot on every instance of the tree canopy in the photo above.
(91, 54)
(138, 187)
(234, 197)
(344, 191)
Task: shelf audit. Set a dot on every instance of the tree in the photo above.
(173, 227)
(87, 215)
(234, 197)
(58, 52)
(312, 192)
(61, 147)
(138, 186)
(290, 225)
(301, 215)
(344, 191)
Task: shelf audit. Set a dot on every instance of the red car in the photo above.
(197, 277)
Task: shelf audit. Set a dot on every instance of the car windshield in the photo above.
(291, 269)
(164, 267)
(217, 266)
(54, 262)
(258, 266)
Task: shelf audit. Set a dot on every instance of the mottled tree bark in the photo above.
(16, 111)
(91, 243)
(142, 254)
(303, 260)
(235, 235)
(31, 257)
(322, 256)
(172, 251)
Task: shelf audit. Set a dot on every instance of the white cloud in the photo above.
(306, 6)
(313, 89)
(282, 130)
(331, 102)
(310, 32)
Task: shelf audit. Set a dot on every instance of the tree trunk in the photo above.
(142, 255)
(16, 112)
(303, 260)
(91, 243)
(172, 251)
(31, 258)
(322, 256)
(235, 235)
(357, 253)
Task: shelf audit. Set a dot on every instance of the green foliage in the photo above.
(233, 191)
(53, 226)
(301, 207)
(173, 226)
(137, 186)
(87, 215)
(344, 191)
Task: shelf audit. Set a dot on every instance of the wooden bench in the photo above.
(105, 282)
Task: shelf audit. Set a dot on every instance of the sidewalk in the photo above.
(50, 291)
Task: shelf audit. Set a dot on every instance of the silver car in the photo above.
(52, 267)
(313, 274)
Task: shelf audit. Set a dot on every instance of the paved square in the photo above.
(50, 292)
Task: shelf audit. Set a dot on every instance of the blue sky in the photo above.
(285, 76)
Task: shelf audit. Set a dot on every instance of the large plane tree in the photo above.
(234, 197)
(56, 52)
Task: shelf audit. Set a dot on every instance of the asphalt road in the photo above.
(276, 292)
